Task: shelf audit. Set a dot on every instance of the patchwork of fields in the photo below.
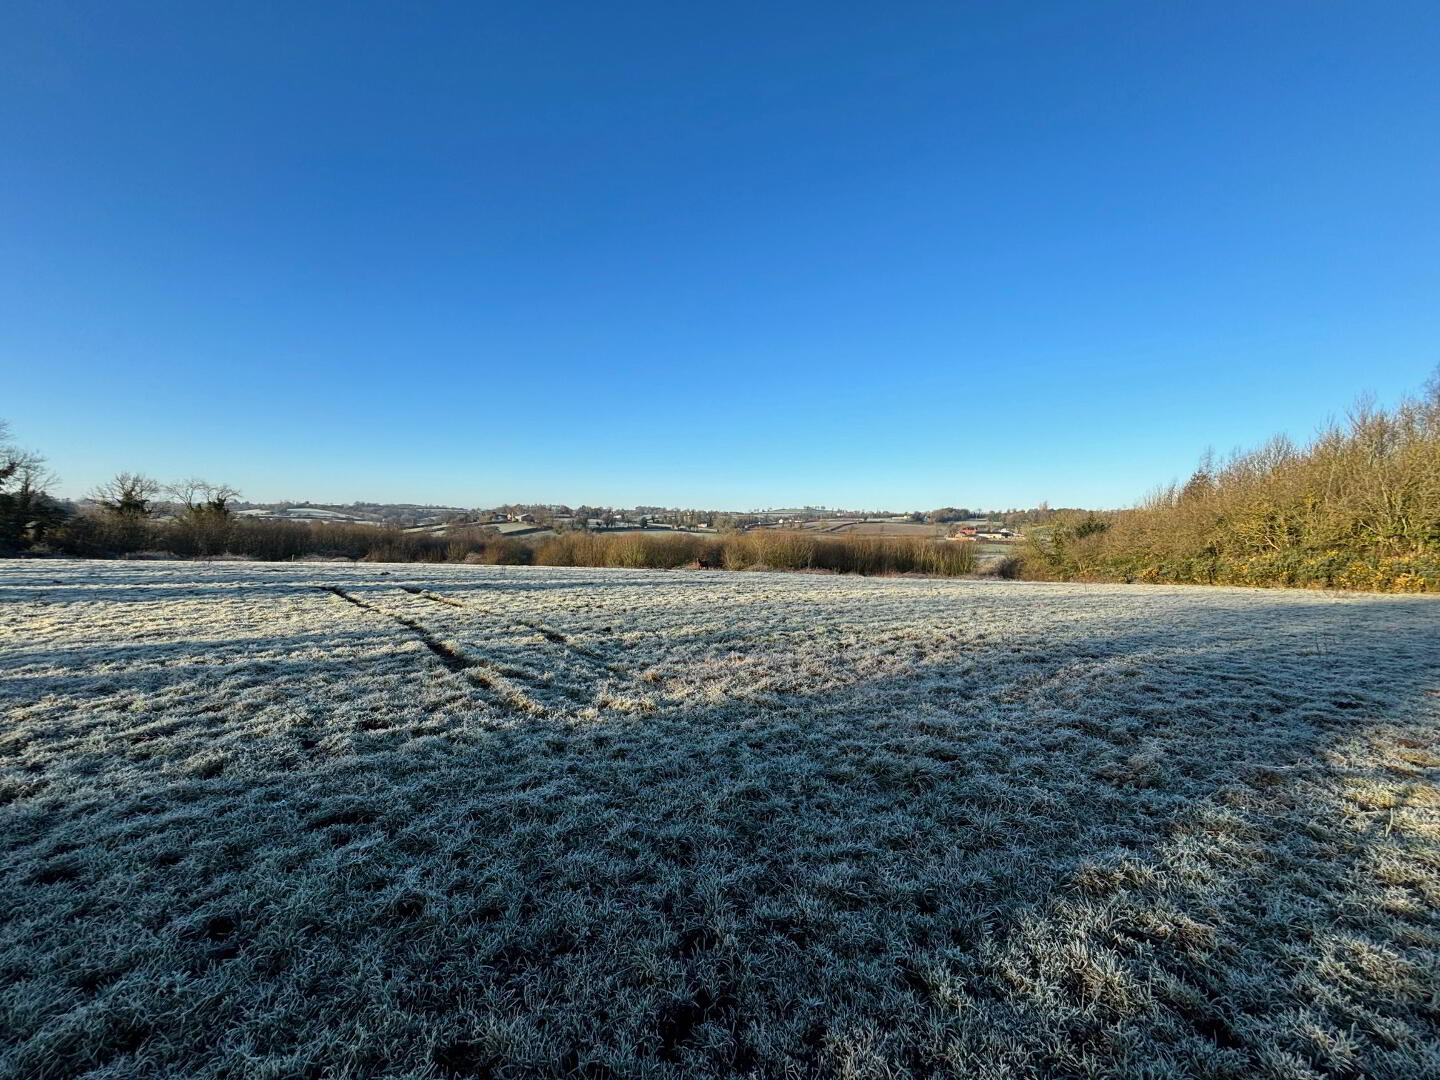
(324, 821)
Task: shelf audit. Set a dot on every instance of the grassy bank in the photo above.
(1356, 508)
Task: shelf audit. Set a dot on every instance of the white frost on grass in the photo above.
(404, 821)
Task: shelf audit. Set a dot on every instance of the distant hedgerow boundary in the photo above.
(1356, 508)
(280, 541)
(774, 550)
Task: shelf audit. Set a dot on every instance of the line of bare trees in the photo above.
(132, 513)
(27, 509)
(124, 514)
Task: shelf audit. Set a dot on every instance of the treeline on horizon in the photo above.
(208, 535)
(1357, 507)
(134, 516)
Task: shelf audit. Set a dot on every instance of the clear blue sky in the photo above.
(739, 254)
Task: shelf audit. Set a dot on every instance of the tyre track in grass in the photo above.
(477, 672)
(638, 690)
(549, 634)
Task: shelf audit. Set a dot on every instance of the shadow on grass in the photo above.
(1194, 848)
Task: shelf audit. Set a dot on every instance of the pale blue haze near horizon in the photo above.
(734, 255)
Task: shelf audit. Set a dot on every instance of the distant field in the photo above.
(657, 530)
(874, 528)
(988, 552)
(335, 821)
(891, 528)
(516, 528)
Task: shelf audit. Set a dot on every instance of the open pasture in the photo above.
(324, 821)
(869, 527)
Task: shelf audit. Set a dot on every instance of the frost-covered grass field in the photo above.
(409, 821)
